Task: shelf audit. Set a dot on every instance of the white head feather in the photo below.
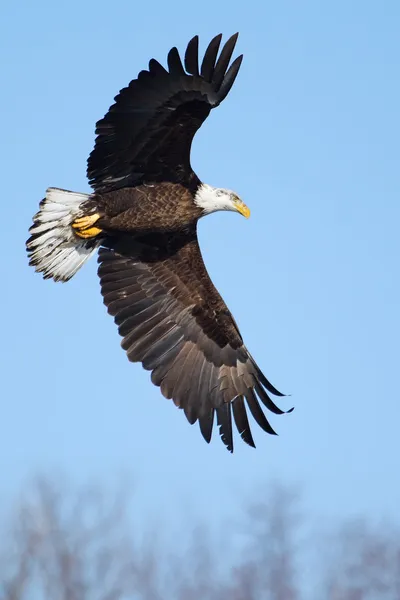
(211, 199)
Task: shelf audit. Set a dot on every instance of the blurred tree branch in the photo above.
(365, 563)
(70, 548)
(62, 545)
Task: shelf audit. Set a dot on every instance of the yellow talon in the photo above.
(85, 222)
(83, 226)
(88, 233)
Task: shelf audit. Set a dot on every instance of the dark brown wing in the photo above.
(147, 134)
(173, 321)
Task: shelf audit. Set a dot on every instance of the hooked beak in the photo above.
(242, 208)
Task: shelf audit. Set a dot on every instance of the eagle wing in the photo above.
(147, 134)
(173, 320)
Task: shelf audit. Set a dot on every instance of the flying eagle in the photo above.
(142, 216)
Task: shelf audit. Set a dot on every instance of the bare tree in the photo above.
(72, 548)
(269, 570)
(365, 563)
(61, 545)
(81, 547)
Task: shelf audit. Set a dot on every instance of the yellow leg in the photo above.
(84, 226)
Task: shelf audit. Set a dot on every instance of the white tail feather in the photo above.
(53, 248)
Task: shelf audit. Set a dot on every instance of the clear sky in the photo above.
(309, 137)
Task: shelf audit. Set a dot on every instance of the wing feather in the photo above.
(156, 69)
(206, 422)
(174, 63)
(192, 56)
(193, 348)
(230, 77)
(160, 363)
(224, 422)
(192, 405)
(146, 135)
(257, 413)
(210, 56)
(241, 421)
(224, 60)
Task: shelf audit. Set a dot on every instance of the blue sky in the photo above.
(309, 137)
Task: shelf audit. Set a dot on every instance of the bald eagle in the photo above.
(142, 217)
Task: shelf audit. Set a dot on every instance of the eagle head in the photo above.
(210, 199)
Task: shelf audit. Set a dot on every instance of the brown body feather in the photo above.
(166, 206)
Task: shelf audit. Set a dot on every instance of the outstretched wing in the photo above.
(147, 134)
(173, 321)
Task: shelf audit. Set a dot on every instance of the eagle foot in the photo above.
(83, 226)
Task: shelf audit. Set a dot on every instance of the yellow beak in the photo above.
(242, 208)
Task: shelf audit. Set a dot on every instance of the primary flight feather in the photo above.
(142, 217)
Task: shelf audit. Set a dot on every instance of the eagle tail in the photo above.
(55, 248)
